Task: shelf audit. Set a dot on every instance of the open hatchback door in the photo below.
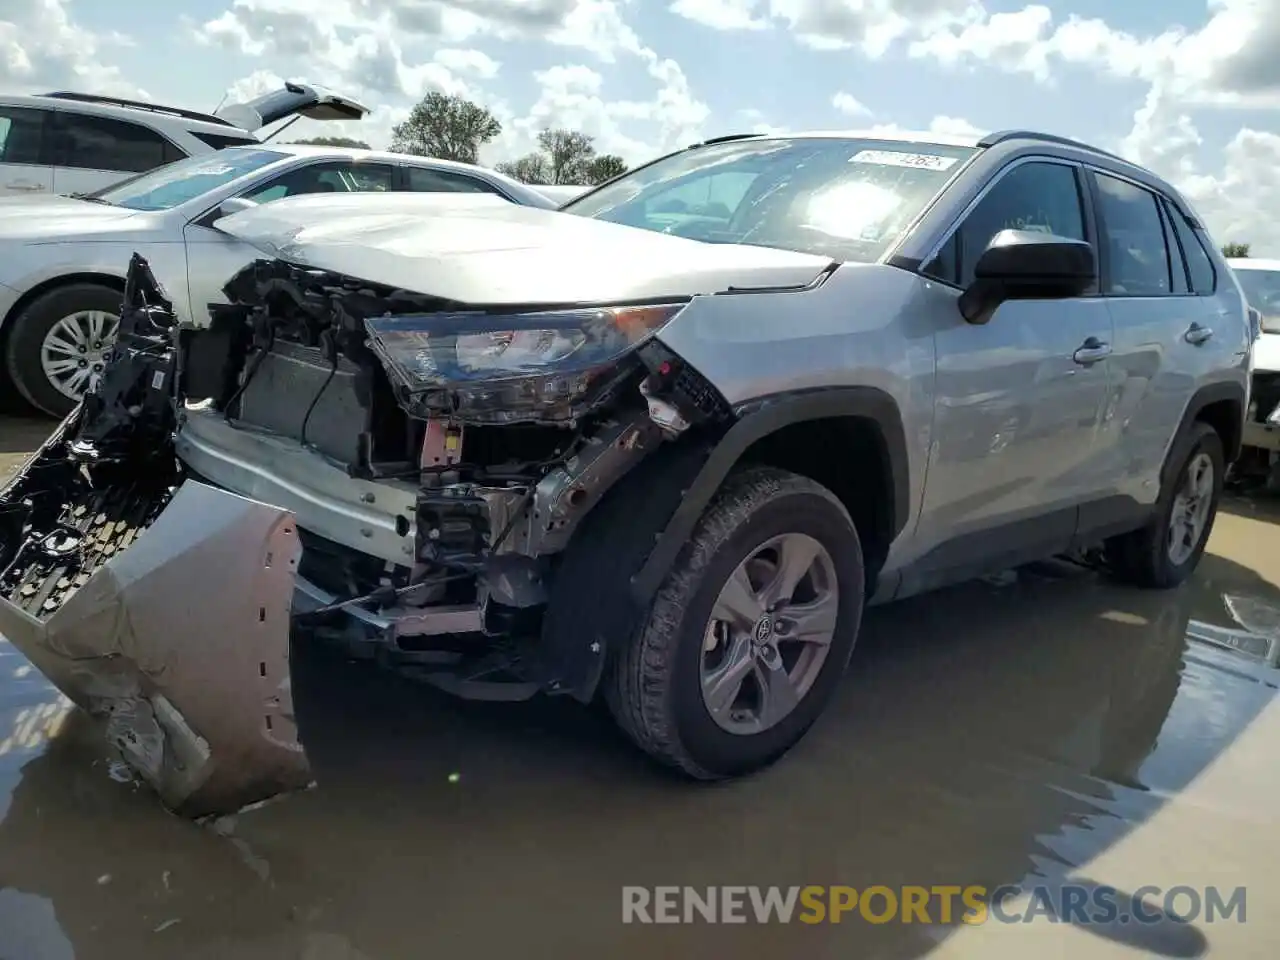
(154, 601)
(293, 99)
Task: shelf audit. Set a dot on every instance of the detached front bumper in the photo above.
(181, 641)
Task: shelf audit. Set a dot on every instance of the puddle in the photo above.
(985, 734)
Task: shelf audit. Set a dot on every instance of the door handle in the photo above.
(23, 185)
(1197, 334)
(1091, 351)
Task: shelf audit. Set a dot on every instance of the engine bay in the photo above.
(490, 478)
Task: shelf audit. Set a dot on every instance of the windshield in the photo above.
(1262, 290)
(848, 199)
(175, 183)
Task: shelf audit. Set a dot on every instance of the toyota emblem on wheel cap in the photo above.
(764, 629)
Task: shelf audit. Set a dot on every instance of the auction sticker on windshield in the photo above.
(892, 158)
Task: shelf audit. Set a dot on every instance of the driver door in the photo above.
(1019, 400)
(213, 257)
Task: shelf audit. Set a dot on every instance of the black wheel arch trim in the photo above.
(1209, 394)
(757, 420)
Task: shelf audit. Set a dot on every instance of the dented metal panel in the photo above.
(182, 643)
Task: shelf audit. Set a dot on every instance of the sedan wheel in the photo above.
(73, 354)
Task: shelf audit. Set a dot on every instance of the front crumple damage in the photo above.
(150, 599)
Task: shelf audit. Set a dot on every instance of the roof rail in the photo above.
(137, 105)
(1000, 136)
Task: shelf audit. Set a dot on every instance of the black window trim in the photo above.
(43, 152)
(1166, 207)
(1083, 192)
(1172, 210)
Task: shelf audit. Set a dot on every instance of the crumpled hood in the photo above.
(36, 219)
(486, 251)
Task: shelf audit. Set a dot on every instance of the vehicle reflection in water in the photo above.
(987, 734)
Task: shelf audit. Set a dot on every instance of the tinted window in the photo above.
(1204, 278)
(221, 141)
(21, 135)
(423, 180)
(176, 183)
(1138, 260)
(1043, 197)
(843, 198)
(101, 143)
(335, 177)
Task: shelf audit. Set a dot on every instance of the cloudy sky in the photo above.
(1189, 88)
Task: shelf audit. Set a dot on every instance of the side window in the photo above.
(426, 180)
(22, 135)
(325, 178)
(1133, 234)
(102, 143)
(1204, 278)
(1037, 196)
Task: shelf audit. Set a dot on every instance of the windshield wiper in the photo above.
(88, 198)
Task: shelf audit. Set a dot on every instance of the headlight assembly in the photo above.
(510, 367)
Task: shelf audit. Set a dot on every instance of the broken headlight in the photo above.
(507, 367)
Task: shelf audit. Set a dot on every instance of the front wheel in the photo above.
(747, 639)
(59, 344)
(1166, 552)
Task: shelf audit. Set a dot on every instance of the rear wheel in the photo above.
(1166, 552)
(59, 343)
(747, 639)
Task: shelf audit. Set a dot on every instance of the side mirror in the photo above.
(1027, 265)
(234, 205)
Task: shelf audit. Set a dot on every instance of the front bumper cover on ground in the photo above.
(181, 642)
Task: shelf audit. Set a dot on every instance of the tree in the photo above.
(605, 167)
(531, 168)
(564, 157)
(335, 142)
(449, 127)
(1235, 250)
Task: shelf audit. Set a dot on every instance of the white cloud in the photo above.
(42, 48)
(721, 14)
(849, 105)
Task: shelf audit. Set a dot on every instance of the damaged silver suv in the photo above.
(663, 447)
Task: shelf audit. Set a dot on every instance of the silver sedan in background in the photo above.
(63, 259)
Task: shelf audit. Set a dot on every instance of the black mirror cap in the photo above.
(1028, 257)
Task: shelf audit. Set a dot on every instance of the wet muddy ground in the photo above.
(1047, 724)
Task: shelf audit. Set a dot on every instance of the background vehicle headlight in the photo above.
(510, 367)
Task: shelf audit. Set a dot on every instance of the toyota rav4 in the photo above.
(663, 447)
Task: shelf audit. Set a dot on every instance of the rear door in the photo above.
(293, 99)
(25, 168)
(212, 256)
(90, 152)
(1158, 285)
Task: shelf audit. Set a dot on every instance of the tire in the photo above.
(653, 685)
(1143, 558)
(32, 325)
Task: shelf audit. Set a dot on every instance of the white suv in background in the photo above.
(67, 143)
(1260, 281)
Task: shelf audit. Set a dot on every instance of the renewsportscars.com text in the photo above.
(972, 904)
